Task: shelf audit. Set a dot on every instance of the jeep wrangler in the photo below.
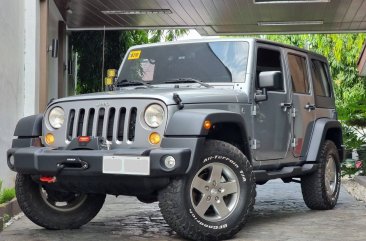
(194, 125)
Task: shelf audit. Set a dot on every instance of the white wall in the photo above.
(19, 68)
(11, 77)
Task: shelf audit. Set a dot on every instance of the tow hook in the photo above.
(48, 179)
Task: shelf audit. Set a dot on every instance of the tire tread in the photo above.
(177, 218)
(48, 218)
(312, 186)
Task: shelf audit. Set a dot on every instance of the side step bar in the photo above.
(294, 171)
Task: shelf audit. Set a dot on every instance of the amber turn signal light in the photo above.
(49, 139)
(154, 138)
(207, 124)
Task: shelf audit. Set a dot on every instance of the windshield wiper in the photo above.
(125, 82)
(188, 80)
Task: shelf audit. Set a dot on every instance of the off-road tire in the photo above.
(313, 186)
(177, 208)
(35, 208)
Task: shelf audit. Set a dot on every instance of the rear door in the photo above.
(302, 99)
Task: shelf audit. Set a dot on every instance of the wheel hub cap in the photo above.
(215, 192)
(67, 205)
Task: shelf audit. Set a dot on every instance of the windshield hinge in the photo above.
(178, 100)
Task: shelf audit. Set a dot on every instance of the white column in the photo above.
(31, 57)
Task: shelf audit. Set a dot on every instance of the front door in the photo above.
(271, 118)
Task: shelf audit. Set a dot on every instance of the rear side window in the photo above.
(299, 76)
(320, 78)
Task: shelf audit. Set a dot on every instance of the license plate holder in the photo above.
(126, 165)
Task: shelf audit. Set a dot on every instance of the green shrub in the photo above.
(6, 194)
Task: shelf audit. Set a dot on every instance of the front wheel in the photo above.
(213, 201)
(320, 189)
(54, 209)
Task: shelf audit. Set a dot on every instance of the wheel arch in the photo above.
(324, 129)
(228, 132)
(224, 126)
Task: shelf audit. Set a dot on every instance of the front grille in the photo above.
(113, 124)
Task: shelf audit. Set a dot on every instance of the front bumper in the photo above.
(49, 162)
(81, 171)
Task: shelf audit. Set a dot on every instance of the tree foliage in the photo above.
(342, 52)
(89, 47)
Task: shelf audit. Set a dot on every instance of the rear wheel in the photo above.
(213, 201)
(54, 209)
(321, 189)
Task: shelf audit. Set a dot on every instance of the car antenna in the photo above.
(178, 100)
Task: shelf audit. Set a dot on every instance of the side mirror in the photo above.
(267, 79)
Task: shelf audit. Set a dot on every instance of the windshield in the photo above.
(207, 62)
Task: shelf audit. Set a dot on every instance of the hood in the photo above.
(188, 95)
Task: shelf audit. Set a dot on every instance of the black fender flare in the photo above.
(189, 123)
(322, 129)
(30, 126)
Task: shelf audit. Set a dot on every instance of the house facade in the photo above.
(29, 75)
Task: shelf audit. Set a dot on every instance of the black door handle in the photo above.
(286, 106)
(310, 107)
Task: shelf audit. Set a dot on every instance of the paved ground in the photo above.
(280, 214)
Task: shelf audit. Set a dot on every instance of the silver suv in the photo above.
(193, 125)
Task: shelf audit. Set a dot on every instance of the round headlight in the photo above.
(154, 115)
(56, 117)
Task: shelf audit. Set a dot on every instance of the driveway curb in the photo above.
(360, 180)
(7, 211)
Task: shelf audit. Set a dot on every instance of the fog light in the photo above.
(154, 138)
(169, 162)
(12, 160)
(49, 139)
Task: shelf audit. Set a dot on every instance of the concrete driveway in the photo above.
(280, 214)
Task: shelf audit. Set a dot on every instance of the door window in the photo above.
(298, 72)
(269, 60)
(320, 79)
